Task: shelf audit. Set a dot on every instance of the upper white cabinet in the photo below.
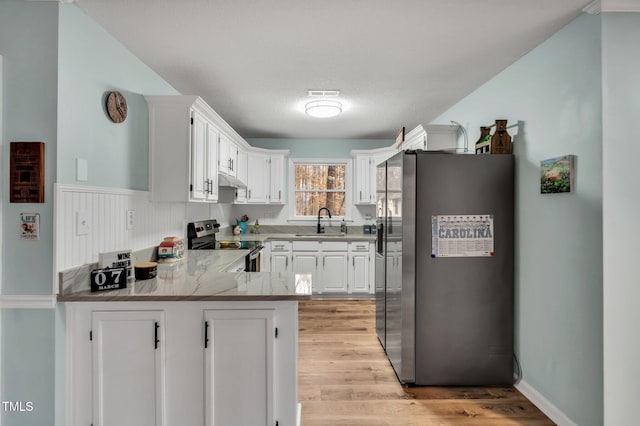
(189, 144)
(228, 156)
(432, 137)
(242, 175)
(366, 162)
(266, 176)
(182, 149)
(277, 174)
(257, 178)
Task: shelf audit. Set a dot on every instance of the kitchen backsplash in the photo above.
(105, 230)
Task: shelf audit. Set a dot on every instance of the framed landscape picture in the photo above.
(557, 174)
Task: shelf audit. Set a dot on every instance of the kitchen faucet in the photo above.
(320, 227)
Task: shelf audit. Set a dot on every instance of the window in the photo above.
(320, 184)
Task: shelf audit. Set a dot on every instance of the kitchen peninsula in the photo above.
(194, 345)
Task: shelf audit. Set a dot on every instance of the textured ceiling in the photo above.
(396, 63)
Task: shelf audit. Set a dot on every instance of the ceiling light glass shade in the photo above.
(323, 108)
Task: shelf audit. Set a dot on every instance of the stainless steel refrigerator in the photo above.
(444, 267)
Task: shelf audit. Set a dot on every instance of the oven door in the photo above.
(254, 260)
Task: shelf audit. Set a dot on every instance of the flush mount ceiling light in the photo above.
(321, 106)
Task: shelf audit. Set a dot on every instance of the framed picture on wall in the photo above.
(557, 174)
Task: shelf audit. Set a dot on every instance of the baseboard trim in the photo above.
(546, 406)
(24, 301)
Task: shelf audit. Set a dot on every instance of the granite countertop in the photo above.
(200, 276)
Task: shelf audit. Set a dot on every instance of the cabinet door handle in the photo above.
(286, 262)
(206, 334)
(249, 194)
(353, 261)
(316, 262)
(360, 195)
(156, 339)
(279, 195)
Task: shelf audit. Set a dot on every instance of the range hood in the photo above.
(225, 181)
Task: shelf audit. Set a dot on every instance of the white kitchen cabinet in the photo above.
(258, 182)
(280, 256)
(432, 137)
(251, 334)
(266, 176)
(360, 268)
(335, 266)
(363, 191)
(242, 175)
(277, 174)
(366, 162)
(305, 255)
(334, 275)
(245, 374)
(128, 375)
(227, 156)
(182, 149)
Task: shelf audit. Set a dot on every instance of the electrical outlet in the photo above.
(131, 219)
(83, 226)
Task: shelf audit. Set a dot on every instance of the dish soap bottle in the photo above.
(343, 227)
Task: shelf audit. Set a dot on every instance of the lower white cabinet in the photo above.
(280, 258)
(181, 363)
(128, 378)
(334, 272)
(335, 266)
(251, 334)
(360, 275)
(305, 259)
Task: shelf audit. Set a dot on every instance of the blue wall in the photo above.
(58, 100)
(552, 98)
(92, 63)
(28, 44)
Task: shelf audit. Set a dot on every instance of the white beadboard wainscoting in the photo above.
(105, 210)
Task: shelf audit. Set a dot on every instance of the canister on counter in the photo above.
(145, 270)
(171, 249)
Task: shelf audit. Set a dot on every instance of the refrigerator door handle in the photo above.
(380, 236)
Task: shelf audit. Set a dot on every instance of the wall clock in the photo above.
(116, 107)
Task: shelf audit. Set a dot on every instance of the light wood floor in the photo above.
(344, 378)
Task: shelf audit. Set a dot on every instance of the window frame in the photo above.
(348, 178)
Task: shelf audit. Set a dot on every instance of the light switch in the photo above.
(131, 219)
